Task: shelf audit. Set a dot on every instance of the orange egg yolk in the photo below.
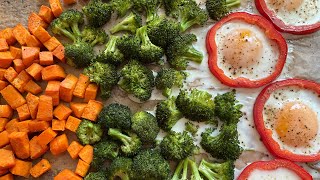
(296, 124)
(242, 49)
(289, 5)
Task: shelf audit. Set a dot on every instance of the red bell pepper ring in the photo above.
(280, 25)
(273, 165)
(270, 32)
(266, 134)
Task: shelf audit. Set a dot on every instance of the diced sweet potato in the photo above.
(4, 138)
(72, 123)
(46, 14)
(91, 92)
(53, 72)
(32, 41)
(7, 176)
(3, 84)
(59, 53)
(18, 65)
(46, 58)
(62, 112)
(32, 87)
(37, 150)
(35, 71)
(58, 125)
(46, 137)
(32, 102)
(82, 168)
(56, 7)
(74, 149)
(53, 89)
(52, 44)
(67, 174)
(10, 74)
(41, 34)
(20, 33)
(12, 97)
(3, 122)
(38, 126)
(21, 168)
(8, 35)
(59, 145)
(6, 59)
(45, 108)
(77, 108)
(40, 168)
(19, 142)
(81, 86)
(23, 126)
(7, 159)
(16, 52)
(69, 2)
(21, 80)
(34, 21)
(67, 86)
(6, 111)
(29, 54)
(2, 71)
(23, 112)
(86, 154)
(3, 45)
(11, 126)
(92, 110)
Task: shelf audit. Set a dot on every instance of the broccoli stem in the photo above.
(122, 176)
(231, 3)
(167, 92)
(142, 32)
(194, 170)
(150, 15)
(75, 29)
(182, 166)
(185, 24)
(117, 134)
(206, 169)
(111, 45)
(68, 34)
(125, 25)
(194, 55)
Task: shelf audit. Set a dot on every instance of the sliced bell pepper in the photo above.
(266, 134)
(273, 165)
(270, 32)
(280, 25)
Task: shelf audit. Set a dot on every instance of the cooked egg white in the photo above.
(293, 115)
(245, 51)
(296, 12)
(277, 174)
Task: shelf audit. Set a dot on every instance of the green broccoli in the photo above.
(167, 78)
(94, 35)
(137, 79)
(196, 105)
(97, 12)
(145, 126)
(60, 27)
(149, 6)
(180, 51)
(88, 132)
(223, 146)
(167, 113)
(215, 171)
(149, 53)
(100, 175)
(79, 54)
(172, 7)
(149, 164)
(111, 54)
(191, 128)
(177, 146)
(74, 19)
(162, 31)
(106, 149)
(120, 168)
(226, 108)
(121, 6)
(131, 144)
(116, 116)
(219, 8)
(129, 45)
(103, 74)
(181, 171)
(131, 23)
(97, 163)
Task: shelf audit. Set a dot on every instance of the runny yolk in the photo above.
(296, 124)
(289, 5)
(242, 49)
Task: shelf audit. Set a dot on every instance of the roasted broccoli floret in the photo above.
(100, 175)
(181, 51)
(111, 54)
(223, 146)
(79, 54)
(120, 168)
(137, 79)
(219, 8)
(172, 7)
(89, 132)
(60, 27)
(131, 23)
(121, 6)
(106, 149)
(227, 108)
(162, 31)
(149, 53)
(74, 19)
(94, 35)
(167, 78)
(145, 126)
(97, 12)
(181, 171)
(168, 114)
(177, 146)
(196, 105)
(129, 45)
(97, 163)
(131, 144)
(116, 116)
(215, 171)
(149, 6)
(149, 164)
(191, 128)
(103, 74)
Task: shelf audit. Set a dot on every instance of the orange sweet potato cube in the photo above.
(56, 7)
(18, 65)
(21, 168)
(7, 176)
(32, 41)
(20, 33)
(32, 102)
(11, 126)
(3, 122)
(3, 84)
(53, 89)
(46, 14)
(59, 144)
(52, 43)
(72, 123)
(92, 110)
(21, 80)
(6, 111)
(91, 92)
(81, 86)
(8, 35)
(77, 108)
(45, 108)
(29, 54)
(46, 58)
(34, 21)
(32, 87)
(67, 174)
(59, 53)
(86, 154)
(36, 150)
(23, 126)
(6, 59)
(2, 71)
(7, 159)
(62, 112)
(40, 168)
(4, 138)
(3, 45)
(23, 112)
(67, 86)
(35, 71)
(74, 149)
(19, 142)
(53, 72)
(16, 52)
(58, 125)
(38, 126)
(46, 137)
(82, 168)
(41, 34)
(10, 74)
(12, 97)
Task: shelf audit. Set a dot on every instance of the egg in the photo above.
(279, 173)
(296, 12)
(293, 115)
(245, 51)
